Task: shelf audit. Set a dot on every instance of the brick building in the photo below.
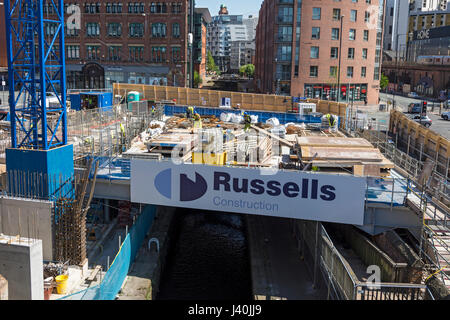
(201, 21)
(133, 42)
(300, 45)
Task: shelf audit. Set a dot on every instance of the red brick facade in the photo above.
(309, 74)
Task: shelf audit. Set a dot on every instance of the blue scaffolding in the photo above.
(36, 67)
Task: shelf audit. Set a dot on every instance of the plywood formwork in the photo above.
(319, 141)
(339, 153)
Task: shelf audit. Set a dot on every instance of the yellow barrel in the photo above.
(61, 283)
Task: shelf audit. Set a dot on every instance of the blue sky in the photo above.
(244, 7)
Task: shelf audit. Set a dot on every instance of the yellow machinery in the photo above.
(209, 149)
(216, 159)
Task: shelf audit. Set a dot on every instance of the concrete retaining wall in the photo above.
(30, 219)
(371, 255)
(391, 243)
(162, 229)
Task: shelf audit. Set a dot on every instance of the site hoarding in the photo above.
(267, 192)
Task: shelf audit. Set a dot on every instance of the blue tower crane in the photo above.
(36, 69)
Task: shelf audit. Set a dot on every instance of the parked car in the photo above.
(413, 95)
(414, 108)
(445, 115)
(424, 120)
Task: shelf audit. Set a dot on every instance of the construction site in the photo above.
(105, 192)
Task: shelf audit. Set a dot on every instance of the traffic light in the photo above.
(424, 107)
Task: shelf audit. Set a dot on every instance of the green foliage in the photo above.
(384, 82)
(197, 79)
(210, 64)
(247, 70)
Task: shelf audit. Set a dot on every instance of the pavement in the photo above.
(278, 272)
(439, 125)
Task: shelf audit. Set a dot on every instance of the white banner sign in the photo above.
(287, 194)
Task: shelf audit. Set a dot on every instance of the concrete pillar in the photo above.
(3, 288)
(106, 210)
(22, 265)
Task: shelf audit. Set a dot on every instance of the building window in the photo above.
(366, 35)
(352, 34)
(316, 13)
(92, 52)
(315, 34)
(114, 29)
(284, 53)
(334, 53)
(136, 30)
(336, 14)
(353, 14)
(158, 30)
(176, 54)
(349, 72)
(364, 53)
(314, 52)
(92, 29)
(114, 53)
(376, 74)
(159, 54)
(366, 16)
(73, 52)
(335, 34)
(284, 33)
(351, 53)
(176, 7)
(176, 30)
(136, 53)
(313, 71)
(285, 15)
(333, 71)
(363, 72)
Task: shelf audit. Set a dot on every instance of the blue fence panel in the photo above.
(262, 115)
(116, 274)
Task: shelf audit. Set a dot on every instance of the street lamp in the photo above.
(339, 66)
(396, 69)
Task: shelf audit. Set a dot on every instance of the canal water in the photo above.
(208, 258)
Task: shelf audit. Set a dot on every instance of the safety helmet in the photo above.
(218, 126)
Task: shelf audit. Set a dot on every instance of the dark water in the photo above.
(208, 258)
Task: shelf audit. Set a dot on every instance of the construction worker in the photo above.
(153, 111)
(197, 121)
(331, 120)
(247, 120)
(190, 112)
(122, 137)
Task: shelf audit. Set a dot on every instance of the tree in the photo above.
(384, 82)
(248, 70)
(211, 64)
(197, 79)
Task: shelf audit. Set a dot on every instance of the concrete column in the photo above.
(106, 210)
(22, 266)
(3, 288)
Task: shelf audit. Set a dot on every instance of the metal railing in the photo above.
(338, 276)
(434, 213)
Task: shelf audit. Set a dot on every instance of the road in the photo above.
(439, 125)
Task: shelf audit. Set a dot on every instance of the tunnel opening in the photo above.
(208, 258)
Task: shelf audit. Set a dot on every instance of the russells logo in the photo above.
(224, 183)
(189, 190)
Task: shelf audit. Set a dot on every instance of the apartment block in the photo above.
(325, 49)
